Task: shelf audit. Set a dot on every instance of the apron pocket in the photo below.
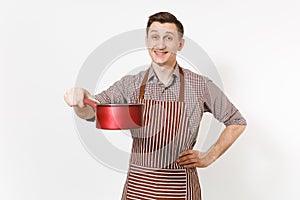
(153, 183)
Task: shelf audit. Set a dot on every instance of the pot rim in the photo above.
(119, 104)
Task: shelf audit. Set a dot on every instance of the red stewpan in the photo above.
(117, 116)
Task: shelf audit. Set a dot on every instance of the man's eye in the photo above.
(169, 38)
(155, 37)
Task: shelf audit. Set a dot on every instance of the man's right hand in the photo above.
(74, 98)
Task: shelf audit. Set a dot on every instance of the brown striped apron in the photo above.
(153, 171)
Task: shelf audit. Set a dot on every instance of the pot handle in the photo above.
(91, 103)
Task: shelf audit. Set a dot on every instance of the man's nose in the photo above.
(161, 44)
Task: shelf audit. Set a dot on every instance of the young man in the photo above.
(163, 163)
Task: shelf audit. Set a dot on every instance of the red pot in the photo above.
(117, 116)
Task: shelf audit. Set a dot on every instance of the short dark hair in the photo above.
(165, 17)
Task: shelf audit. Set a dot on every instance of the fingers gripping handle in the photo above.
(91, 103)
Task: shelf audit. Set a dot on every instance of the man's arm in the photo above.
(194, 158)
(216, 102)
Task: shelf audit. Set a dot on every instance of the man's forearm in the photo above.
(226, 139)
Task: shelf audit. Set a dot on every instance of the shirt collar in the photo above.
(153, 77)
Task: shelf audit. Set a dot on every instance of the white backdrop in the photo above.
(254, 44)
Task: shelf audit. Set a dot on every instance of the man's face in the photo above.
(163, 42)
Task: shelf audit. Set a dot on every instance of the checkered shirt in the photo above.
(200, 95)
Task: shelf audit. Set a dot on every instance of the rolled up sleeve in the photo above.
(217, 103)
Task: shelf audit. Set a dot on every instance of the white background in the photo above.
(254, 44)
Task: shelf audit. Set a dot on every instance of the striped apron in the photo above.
(153, 172)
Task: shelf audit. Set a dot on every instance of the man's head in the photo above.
(165, 17)
(164, 38)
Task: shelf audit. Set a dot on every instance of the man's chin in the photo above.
(160, 63)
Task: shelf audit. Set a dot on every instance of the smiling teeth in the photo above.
(158, 52)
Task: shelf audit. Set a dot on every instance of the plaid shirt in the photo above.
(200, 95)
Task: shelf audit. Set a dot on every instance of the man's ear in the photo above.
(146, 41)
(181, 44)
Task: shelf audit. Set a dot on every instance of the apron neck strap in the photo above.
(181, 91)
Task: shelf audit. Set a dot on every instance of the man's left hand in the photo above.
(192, 159)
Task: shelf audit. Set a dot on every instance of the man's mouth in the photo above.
(160, 53)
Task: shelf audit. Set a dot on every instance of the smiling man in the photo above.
(163, 162)
(163, 41)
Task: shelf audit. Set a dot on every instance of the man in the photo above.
(163, 163)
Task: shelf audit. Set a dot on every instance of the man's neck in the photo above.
(164, 73)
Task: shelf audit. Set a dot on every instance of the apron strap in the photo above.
(143, 86)
(181, 91)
